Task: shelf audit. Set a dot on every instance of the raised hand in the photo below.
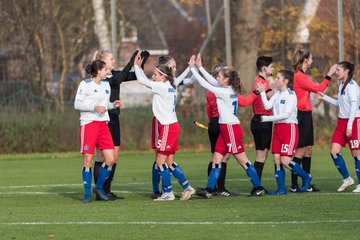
(332, 70)
(191, 61)
(198, 62)
(138, 60)
(117, 103)
(144, 55)
(260, 87)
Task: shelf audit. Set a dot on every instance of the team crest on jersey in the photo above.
(107, 91)
(95, 90)
(282, 101)
(86, 147)
(171, 90)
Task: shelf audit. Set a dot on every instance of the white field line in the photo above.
(148, 192)
(187, 223)
(136, 183)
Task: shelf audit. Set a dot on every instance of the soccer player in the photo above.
(214, 127)
(262, 131)
(285, 136)
(230, 140)
(170, 62)
(164, 102)
(348, 124)
(115, 79)
(93, 101)
(303, 86)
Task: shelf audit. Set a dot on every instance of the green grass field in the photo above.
(40, 198)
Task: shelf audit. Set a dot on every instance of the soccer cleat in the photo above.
(166, 196)
(87, 199)
(101, 194)
(224, 193)
(258, 191)
(203, 192)
(346, 183)
(112, 196)
(156, 195)
(279, 192)
(294, 189)
(187, 193)
(306, 183)
(312, 188)
(357, 189)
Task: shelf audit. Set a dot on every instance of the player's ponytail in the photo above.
(299, 57)
(289, 75)
(234, 79)
(94, 67)
(347, 66)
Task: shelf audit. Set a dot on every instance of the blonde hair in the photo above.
(100, 54)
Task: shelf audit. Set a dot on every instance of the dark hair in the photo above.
(289, 75)
(234, 79)
(263, 61)
(94, 67)
(168, 71)
(347, 66)
(165, 60)
(299, 57)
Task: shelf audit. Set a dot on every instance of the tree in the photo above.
(246, 32)
(101, 27)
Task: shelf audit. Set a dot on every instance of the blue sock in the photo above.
(214, 176)
(295, 168)
(252, 174)
(87, 180)
(280, 177)
(165, 176)
(104, 172)
(155, 178)
(179, 175)
(357, 167)
(340, 165)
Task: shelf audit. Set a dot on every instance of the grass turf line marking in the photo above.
(185, 223)
(147, 192)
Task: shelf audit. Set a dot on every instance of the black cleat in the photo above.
(294, 189)
(112, 196)
(203, 192)
(258, 191)
(312, 188)
(156, 195)
(100, 193)
(224, 193)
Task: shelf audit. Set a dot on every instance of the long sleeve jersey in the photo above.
(348, 102)
(303, 86)
(226, 100)
(90, 94)
(164, 99)
(284, 107)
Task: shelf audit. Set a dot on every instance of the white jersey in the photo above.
(183, 80)
(284, 105)
(164, 99)
(90, 94)
(348, 102)
(226, 99)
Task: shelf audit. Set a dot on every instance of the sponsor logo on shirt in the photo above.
(233, 95)
(282, 101)
(107, 91)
